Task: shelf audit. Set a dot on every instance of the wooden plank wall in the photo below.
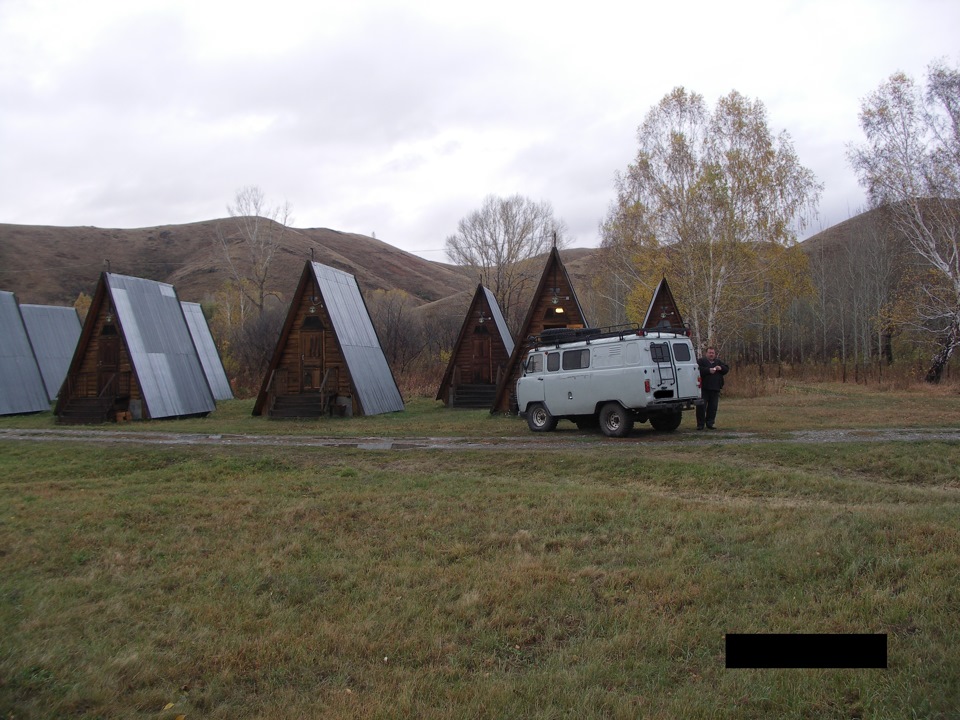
(91, 358)
(571, 318)
(290, 357)
(498, 351)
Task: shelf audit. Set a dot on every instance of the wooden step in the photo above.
(298, 406)
(474, 396)
(85, 411)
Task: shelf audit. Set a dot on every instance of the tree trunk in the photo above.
(940, 360)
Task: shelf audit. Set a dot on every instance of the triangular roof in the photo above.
(207, 351)
(484, 302)
(370, 376)
(21, 384)
(663, 310)
(53, 332)
(554, 280)
(152, 327)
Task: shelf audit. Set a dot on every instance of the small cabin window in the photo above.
(481, 330)
(313, 322)
(553, 361)
(576, 359)
(681, 352)
(660, 352)
(108, 330)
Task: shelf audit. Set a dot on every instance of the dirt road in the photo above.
(556, 440)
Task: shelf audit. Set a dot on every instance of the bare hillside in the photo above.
(873, 224)
(52, 265)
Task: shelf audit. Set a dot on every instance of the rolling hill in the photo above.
(52, 265)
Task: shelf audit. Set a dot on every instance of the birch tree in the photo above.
(911, 163)
(250, 241)
(704, 193)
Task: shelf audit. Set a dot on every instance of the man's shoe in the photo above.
(699, 427)
(710, 427)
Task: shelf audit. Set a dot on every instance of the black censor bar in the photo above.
(806, 650)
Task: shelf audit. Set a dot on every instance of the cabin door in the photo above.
(108, 360)
(311, 359)
(481, 357)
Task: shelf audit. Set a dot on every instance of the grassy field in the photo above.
(785, 406)
(598, 581)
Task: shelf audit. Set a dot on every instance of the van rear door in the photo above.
(687, 369)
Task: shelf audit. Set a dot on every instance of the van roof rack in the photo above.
(561, 336)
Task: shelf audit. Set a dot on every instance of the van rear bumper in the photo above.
(671, 406)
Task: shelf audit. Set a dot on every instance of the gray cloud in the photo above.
(398, 120)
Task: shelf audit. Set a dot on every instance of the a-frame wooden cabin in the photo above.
(135, 358)
(663, 313)
(479, 357)
(328, 358)
(554, 305)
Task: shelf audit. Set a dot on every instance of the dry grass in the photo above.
(785, 405)
(751, 381)
(595, 582)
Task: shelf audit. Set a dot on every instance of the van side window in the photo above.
(681, 352)
(553, 361)
(659, 352)
(576, 359)
(535, 365)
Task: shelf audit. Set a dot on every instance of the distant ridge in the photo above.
(52, 265)
(842, 232)
(868, 224)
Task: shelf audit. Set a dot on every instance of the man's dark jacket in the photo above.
(712, 381)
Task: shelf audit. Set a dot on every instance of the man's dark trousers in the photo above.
(707, 413)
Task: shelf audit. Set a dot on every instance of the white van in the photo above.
(611, 377)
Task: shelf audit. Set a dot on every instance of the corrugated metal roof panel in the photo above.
(53, 333)
(207, 350)
(498, 319)
(21, 384)
(372, 379)
(161, 349)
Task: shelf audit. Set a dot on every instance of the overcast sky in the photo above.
(398, 118)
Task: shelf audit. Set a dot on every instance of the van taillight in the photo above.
(646, 386)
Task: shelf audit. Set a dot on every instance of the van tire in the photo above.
(615, 421)
(666, 423)
(539, 418)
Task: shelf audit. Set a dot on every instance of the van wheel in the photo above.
(615, 421)
(666, 423)
(539, 418)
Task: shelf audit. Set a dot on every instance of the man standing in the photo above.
(712, 371)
